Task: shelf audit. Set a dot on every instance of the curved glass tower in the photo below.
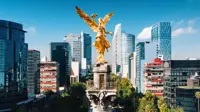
(116, 49)
(128, 46)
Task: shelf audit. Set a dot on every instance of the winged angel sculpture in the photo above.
(101, 43)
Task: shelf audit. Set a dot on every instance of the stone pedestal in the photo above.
(101, 75)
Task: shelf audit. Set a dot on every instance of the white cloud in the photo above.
(31, 30)
(180, 31)
(185, 30)
(145, 33)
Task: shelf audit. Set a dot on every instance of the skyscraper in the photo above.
(140, 55)
(33, 72)
(86, 49)
(61, 53)
(161, 35)
(75, 43)
(127, 47)
(116, 49)
(13, 63)
(145, 52)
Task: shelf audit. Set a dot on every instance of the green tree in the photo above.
(162, 105)
(77, 90)
(64, 94)
(125, 89)
(148, 103)
(197, 94)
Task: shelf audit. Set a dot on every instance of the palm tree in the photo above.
(197, 94)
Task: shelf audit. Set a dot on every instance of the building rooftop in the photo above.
(33, 50)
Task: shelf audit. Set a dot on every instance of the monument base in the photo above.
(101, 75)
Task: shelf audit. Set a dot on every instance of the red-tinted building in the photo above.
(49, 73)
(153, 77)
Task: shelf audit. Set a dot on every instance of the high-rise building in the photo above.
(161, 35)
(132, 69)
(75, 43)
(49, 76)
(61, 53)
(144, 53)
(140, 55)
(153, 77)
(86, 50)
(13, 63)
(33, 72)
(116, 49)
(176, 73)
(127, 47)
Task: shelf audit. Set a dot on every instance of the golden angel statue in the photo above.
(101, 43)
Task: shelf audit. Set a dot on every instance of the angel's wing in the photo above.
(107, 18)
(87, 19)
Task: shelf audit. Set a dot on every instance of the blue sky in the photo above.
(50, 20)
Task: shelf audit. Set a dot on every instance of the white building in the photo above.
(123, 44)
(81, 48)
(74, 77)
(75, 43)
(132, 69)
(116, 49)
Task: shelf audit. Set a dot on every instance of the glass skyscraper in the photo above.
(61, 53)
(127, 47)
(140, 51)
(75, 43)
(13, 63)
(86, 40)
(161, 34)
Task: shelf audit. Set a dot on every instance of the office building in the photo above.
(61, 53)
(128, 46)
(49, 76)
(13, 64)
(75, 72)
(185, 95)
(161, 35)
(33, 72)
(153, 77)
(116, 49)
(144, 53)
(176, 73)
(132, 69)
(86, 48)
(75, 43)
(140, 55)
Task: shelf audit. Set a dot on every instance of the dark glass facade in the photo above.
(185, 98)
(176, 73)
(61, 53)
(87, 48)
(13, 64)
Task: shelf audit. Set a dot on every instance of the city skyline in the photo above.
(133, 15)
